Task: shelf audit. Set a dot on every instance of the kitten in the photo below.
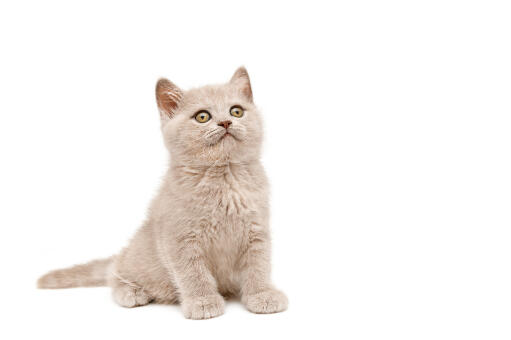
(206, 235)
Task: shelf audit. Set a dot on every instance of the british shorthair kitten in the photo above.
(206, 235)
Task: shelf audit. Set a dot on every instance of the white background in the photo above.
(387, 145)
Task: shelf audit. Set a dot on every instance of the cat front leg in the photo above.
(197, 287)
(257, 292)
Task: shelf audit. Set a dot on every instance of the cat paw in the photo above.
(203, 307)
(129, 297)
(268, 301)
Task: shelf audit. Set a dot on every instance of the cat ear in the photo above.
(168, 97)
(242, 81)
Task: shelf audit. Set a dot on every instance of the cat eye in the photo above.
(237, 111)
(202, 116)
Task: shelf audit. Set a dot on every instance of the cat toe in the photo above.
(268, 301)
(130, 297)
(203, 307)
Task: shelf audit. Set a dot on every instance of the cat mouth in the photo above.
(226, 137)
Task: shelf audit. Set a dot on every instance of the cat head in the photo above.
(214, 124)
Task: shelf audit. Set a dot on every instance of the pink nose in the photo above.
(225, 123)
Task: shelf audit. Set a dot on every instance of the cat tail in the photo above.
(90, 274)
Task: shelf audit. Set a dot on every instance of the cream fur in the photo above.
(206, 235)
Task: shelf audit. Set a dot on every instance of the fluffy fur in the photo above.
(206, 235)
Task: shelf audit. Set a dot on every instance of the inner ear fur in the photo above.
(168, 97)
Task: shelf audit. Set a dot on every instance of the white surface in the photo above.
(387, 145)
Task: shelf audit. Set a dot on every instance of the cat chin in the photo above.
(225, 150)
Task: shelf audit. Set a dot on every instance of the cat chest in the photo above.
(232, 210)
(226, 236)
(227, 216)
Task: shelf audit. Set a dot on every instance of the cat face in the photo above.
(210, 125)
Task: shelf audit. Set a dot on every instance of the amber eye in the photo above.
(202, 116)
(237, 111)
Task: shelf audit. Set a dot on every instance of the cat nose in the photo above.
(225, 123)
